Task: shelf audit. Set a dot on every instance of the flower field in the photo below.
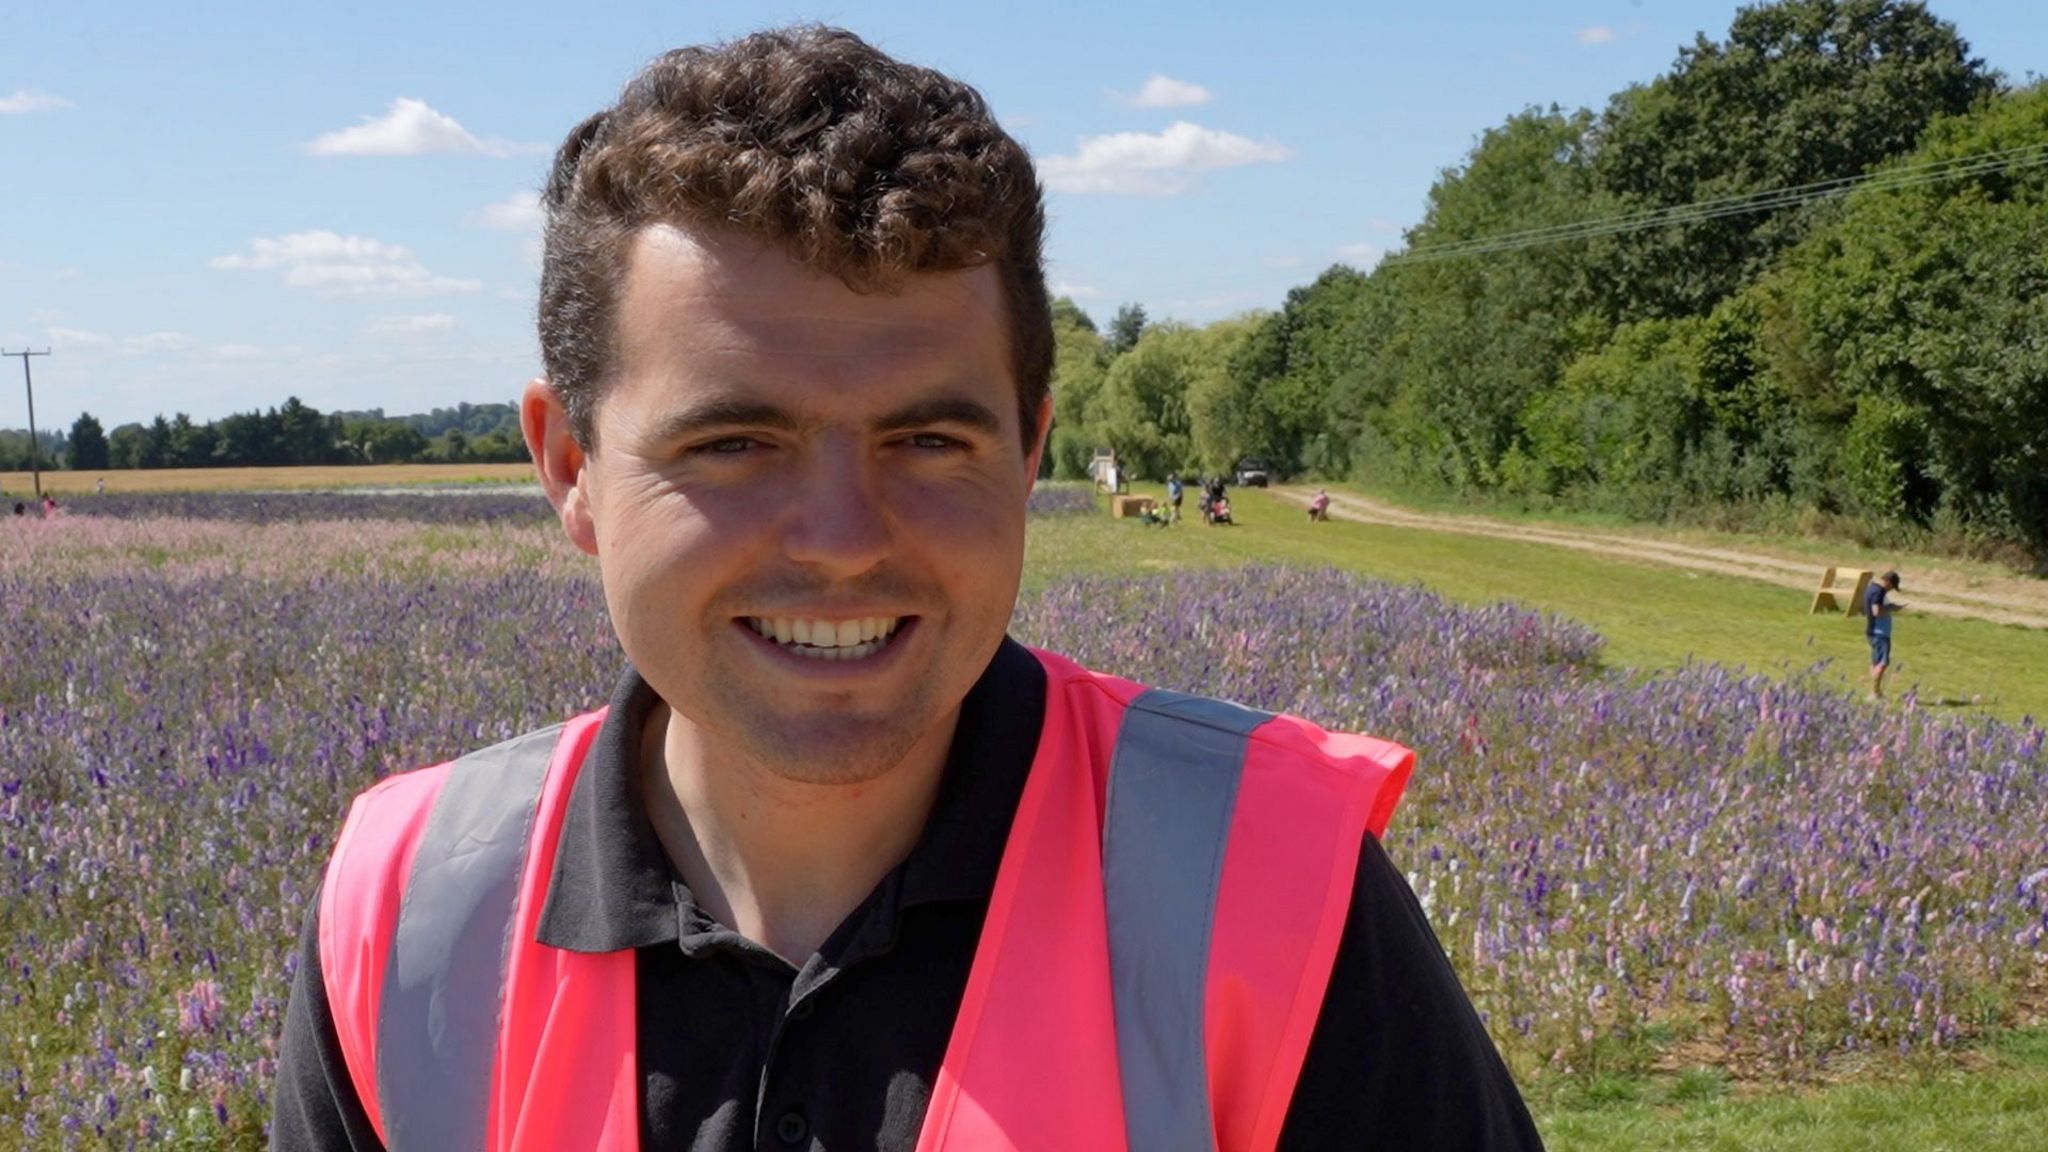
(1763, 876)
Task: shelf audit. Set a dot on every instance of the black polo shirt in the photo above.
(741, 1050)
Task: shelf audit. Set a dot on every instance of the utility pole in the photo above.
(34, 450)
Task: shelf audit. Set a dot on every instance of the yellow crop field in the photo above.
(15, 484)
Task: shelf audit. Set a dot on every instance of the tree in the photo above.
(382, 441)
(1471, 340)
(156, 453)
(1125, 328)
(1800, 92)
(192, 445)
(499, 447)
(1142, 411)
(88, 447)
(248, 439)
(304, 435)
(1079, 356)
(1915, 327)
(125, 446)
(1240, 357)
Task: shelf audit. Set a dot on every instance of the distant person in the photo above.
(1174, 491)
(49, 506)
(1877, 627)
(20, 509)
(99, 486)
(1319, 508)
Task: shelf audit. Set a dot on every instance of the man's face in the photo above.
(807, 503)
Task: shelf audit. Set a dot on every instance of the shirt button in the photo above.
(792, 1128)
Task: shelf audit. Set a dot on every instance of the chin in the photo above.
(835, 749)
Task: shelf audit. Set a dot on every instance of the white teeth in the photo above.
(828, 639)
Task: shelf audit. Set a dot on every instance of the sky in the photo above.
(207, 207)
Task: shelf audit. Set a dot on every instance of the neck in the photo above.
(779, 860)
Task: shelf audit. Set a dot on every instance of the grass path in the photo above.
(1938, 589)
(1653, 615)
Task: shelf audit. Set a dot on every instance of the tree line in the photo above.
(294, 433)
(1624, 311)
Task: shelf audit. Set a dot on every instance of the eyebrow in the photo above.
(958, 411)
(714, 415)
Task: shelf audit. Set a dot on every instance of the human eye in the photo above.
(727, 446)
(934, 442)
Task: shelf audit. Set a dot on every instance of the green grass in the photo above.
(1999, 1102)
(1653, 617)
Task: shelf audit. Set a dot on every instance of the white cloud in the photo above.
(30, 100)
(1074, 291)
(1361, 256)
(1166, 92)
(1211, 306)
(1597, 34)
(411, 128)
(344, 266)
(78, 338)
(156, 342)
(1161, 164)
(147, 344)
(520, 213)
(418, 325)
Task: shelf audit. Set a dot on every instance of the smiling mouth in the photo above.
(855, 639)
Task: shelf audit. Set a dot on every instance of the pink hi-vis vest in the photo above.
(1163, 926)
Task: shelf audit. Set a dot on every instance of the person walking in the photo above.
(1877, 628)
(841, 865)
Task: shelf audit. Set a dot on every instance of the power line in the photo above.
(1751, 201)
(2004, 160)
(34, 454)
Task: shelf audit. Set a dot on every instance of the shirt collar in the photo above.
(613, 887)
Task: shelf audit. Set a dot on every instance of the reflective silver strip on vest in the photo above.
(1172, 788)
(437, 1029)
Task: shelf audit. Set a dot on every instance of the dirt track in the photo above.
(1929, 588)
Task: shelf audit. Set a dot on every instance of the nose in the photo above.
(840, 523)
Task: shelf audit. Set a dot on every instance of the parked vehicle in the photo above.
(1251, 472)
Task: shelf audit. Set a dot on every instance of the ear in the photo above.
(559, 460)
(1039, 441)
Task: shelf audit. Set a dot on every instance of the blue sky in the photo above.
(207, 207)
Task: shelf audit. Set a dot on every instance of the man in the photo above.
(842, 866)
(1175, 490)
(1877, 628)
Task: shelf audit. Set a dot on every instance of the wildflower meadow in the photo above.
(1763, 876)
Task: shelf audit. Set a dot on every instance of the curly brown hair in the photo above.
(860, 166)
